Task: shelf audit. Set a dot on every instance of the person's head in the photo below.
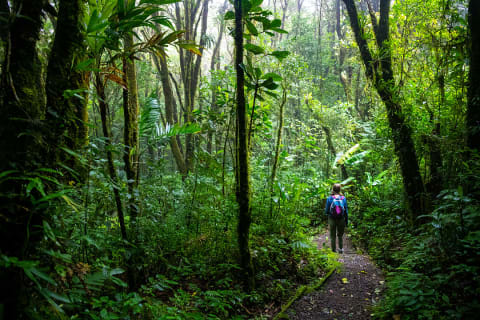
(336, 188)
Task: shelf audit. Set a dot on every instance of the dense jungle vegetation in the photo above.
(170, 159)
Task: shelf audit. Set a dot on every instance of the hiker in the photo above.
(337, 212)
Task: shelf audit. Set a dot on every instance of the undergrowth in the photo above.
(433, 270)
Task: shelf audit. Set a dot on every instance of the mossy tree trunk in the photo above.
(242, 162)
(66, 87)
(379, 72)
(473, 108)
(131, 129)
(333, 151)
(22, 105)
(131, 157)
(473, 105)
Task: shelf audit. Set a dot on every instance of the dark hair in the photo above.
(336, 189)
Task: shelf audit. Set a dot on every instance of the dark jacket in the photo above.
(329, 203)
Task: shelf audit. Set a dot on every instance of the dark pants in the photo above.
(337, 227)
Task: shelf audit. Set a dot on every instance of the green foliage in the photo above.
(187, 227)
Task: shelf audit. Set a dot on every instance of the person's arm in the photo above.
(327, 206)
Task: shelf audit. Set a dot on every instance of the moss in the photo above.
(303, 290)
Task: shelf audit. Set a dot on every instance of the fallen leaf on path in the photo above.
(345, 280)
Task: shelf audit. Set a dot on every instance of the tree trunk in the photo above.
(242, 161)
(131, 155)
(22, 105)
(213, 63)
(100, 88)
(131, 136)
(473, 104)
(67, 112)
(190, 67)
(169, 115)
(473, 107)
(99, 85)
(333, 151)
(381, 75)
(277, 147)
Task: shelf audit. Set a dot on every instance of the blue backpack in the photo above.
(337, 209)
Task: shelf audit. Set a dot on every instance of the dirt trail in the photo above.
(349, 293)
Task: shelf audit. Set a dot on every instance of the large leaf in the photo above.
(96, 22)
(230, 15)
(190, 46)
(280, 55)
(272, 75)
(251, 28)
(254, 48)
(269, 84)
(150, 117)
(341, 158)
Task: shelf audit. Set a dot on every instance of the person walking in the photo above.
(337, 211)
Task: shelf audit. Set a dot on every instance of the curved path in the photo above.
(349, 293)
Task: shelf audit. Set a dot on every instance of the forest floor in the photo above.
(349, 293)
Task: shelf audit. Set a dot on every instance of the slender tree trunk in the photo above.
(213, 63)
(473, 104)
(22, 105)
(333, 151)
(242, 161)
(5, 10)
(284, 5)
(67, 116)
(277, 147)
(170, 106)
(99, 85)
(190, 67)
(381, 75)
(224, 158)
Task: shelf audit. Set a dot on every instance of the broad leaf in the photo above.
(280, 55)
(254, 48)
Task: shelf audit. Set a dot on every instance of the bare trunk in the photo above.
(169, 114)
(213, 63)
(99, 85)
(277, 148)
